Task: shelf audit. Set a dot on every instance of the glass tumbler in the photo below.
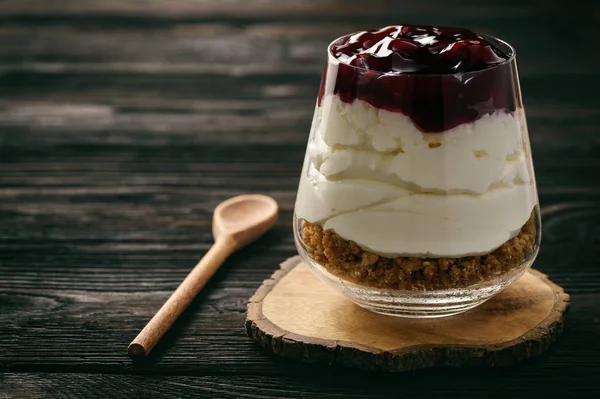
(417, 196)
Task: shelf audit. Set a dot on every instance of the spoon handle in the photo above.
(180, 299)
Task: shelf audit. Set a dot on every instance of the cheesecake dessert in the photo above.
(418, 172)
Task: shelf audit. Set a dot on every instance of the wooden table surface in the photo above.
(123, 124)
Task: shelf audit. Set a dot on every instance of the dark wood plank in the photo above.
(92, 323)
(314, 383)
(257, 47)
(344, 9)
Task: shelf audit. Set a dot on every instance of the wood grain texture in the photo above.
(314, 382)
(295, 315)
(122, 125)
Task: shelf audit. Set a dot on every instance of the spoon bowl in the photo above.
(244, 218)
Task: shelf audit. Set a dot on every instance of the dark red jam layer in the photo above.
(440, 77)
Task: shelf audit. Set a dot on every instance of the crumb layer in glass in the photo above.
(347, 260)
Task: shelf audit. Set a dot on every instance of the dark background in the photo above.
(123, 124)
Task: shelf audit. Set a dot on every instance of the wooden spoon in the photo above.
(236, 222)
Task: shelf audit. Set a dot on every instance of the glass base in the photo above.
(418, 304)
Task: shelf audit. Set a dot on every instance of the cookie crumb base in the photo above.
(346, 260)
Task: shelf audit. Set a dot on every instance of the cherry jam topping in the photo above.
(440, 77)
(418, 49)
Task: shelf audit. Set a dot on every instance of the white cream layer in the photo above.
(375, 179)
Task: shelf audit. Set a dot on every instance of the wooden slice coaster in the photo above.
(297, 316)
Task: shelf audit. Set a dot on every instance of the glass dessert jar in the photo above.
(417, 197)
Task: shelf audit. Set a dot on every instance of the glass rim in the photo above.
(495, 40)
